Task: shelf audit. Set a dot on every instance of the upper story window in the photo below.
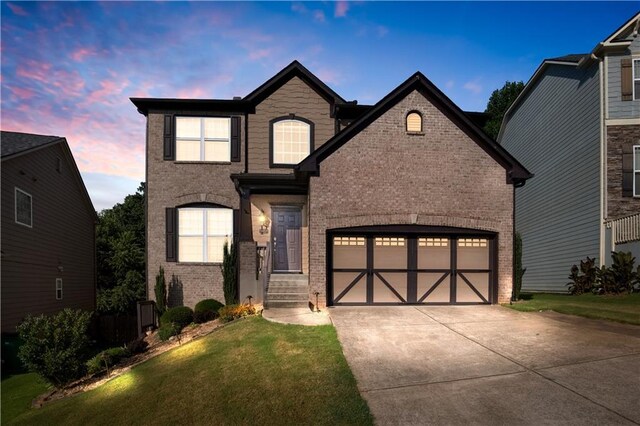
(24, 208)
(636, 79)
(414, 122)
(636, 170)
(292, 140)
(203, 139)
(202, 233)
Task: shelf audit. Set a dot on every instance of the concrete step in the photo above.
(298, 278)
(289, 286)
(287, 304)
(287, 296)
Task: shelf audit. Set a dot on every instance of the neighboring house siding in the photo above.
(620, 139)
(617, 108)
(62, 235)
(383, 176)
(294, 97)
(172, 184)
(554, 132)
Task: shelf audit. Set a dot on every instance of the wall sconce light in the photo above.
(264, 223)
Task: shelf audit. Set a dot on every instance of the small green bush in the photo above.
(231, 312)
(167, 330)
(136, 346)
(106, 359)
(56, 347)
(180, 315)
(583, 279)
(206, 310)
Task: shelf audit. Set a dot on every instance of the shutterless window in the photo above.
(202, 233)
(636, 170)
(58, 288)
(291, 141)
(636, 80)
(24, 208)
(414, 122)
(203, 139)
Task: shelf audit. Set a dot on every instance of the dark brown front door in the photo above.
(286, 224)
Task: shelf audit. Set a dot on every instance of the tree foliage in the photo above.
(120, 241)
(229, 273)
(499, 102)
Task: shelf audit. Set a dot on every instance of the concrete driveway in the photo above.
(490, 365)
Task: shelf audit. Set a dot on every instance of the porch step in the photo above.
(289, 296)
(287, 291)
(286, 304)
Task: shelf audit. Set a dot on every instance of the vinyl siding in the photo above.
(554, 132)
(62, 234)
(617, 108)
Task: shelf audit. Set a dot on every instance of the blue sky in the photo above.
(68, 68)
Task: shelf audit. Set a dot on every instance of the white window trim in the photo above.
(636, 171)
(634, 60)
(286, 120)
(15, 202)
(202, 139)
(59, 287)
(204, 235)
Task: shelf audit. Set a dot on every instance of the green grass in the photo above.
(250, 372)
(17, 393)
(621, 308)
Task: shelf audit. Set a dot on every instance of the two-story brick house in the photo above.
(405, 201)
(576, 125)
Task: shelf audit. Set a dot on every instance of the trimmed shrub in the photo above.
(229, 273)
(56, 347)
(167, 330)
(137, 346)
(180, 315)
(106, 359)
(583, 279)
(206, 310)
(519, 272)
(231, 312)
(160, 291)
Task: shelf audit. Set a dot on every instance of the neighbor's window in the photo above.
(58, 288)
(202, 233)
(414, 122)
(291, 141)
(24, 208)
(636, 79)
(636, 170)
(203, 139)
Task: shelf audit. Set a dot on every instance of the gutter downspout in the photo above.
(513, 249)
(603, 161)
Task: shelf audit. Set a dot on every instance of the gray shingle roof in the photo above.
(13, 142)
(573, 57)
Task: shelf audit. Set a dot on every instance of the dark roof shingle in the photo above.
(573, 57)
(13, 142)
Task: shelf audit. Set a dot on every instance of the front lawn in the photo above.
(17, 393)
(620, 308)
(250, 372)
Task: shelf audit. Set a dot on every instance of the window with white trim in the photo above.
(636, 79)
(291, 141)
(202, 233)
(636, 170)
(203, 139)
(58, 288)
(24, 208)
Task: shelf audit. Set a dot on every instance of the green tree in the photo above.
(229, 274)
(499, 102)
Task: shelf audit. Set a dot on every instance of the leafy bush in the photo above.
(55, 347)
(106, 359)
(583, 279)
(620, 276)
(160, 291)
(206, 310)
(136, 346)
(167, 330)
(230, 312)
(519, 273)
(229, 273)
(180, 315)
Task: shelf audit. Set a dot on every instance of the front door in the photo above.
(286, 225)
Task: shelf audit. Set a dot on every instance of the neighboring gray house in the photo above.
(576, 126)
(404, 202)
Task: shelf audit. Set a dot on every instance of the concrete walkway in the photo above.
(299, 316)
(490, 365)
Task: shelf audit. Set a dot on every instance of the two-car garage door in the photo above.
(411, 268)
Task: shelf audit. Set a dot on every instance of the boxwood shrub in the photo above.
(182, 316)
(167, 330)
(106, 359)
(206, 310)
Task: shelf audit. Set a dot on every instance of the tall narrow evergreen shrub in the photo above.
(229, 274)
(160, 291)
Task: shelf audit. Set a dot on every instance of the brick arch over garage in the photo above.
(412, 219)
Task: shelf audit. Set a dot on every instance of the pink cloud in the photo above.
(341, 9)
(318, 15)
(329, 76)
(17, 10)
(192, 93)
(22, 93)
(54, 81)
(79, 54)
(109, 89)
(256, 54)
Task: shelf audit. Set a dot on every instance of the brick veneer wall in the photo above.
(170, 184)
(294, 97)
(383, 176)
(620, 138)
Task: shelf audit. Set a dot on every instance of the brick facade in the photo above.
(384, 175)
(620, 139)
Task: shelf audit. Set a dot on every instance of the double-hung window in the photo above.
(636, 170)
(636, 78)
(291, 141)
(202, 233)
(203, 139)
(24, 208)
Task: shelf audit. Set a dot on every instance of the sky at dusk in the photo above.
(69, 68)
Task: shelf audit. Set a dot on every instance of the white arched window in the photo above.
(291, 141)
(414, 122)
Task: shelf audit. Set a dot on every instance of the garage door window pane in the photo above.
(480, 282)
(434, 253)
(382, 293)
(357, 294)
(473, 253)
(390, 253)
(440, 294)
(349, 252)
